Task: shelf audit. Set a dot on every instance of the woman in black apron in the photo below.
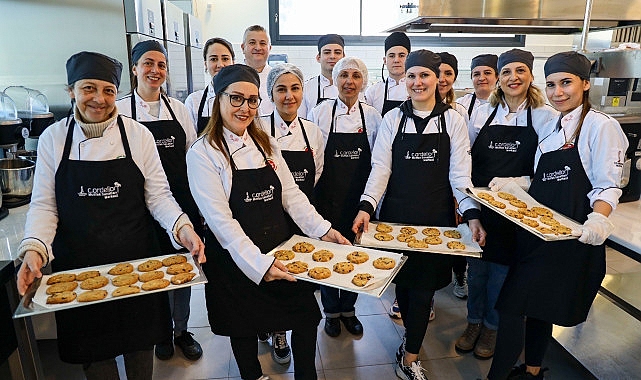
(217, 53)
(245, 191)
(577, 172)
(423, 127)
(97, 147)
(484, 74)
(168, 120)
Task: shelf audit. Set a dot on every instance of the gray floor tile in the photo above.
(382, 372)
(198, 311)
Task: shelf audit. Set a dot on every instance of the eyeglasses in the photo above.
(236, 100)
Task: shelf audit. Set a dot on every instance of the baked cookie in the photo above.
(125, 290)
(452, 234)
(405, 238)
(156, 284)
(417, 244)
(357, 257)
(125, 279)
(485, 196)
(94, 283)
(92, 295)
(431, 231)
(433, 240)
(528, 213)
(343, 267)
(148, 276)
(383, 236)
(545, 230)
(530, 222)
(173, 260)
(150, 265)
(297, 267)
(61, 277)
(561, 229)
(182, 278)
(497, 204)
(506, 196)
(122, 268)
(361, 279)
(514, 214)
(542, 211)
(62, 287)
(384, 263)
(303, 247)
(322, 255)
(180, 268)
(284, 254)
(518, 203)
(319, 273)
(457, 245)
(62, 297)
(549, 221)
(382, 227)
(88, 274)
(409, 230)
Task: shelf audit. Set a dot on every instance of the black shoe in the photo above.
(353, 325)
(165, 350)
(190, 348)
(264, 337)
(332, 327)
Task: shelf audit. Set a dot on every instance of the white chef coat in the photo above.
(290, 137)
(540, 117)
(462, 111)
(375, 94)
(266, 106)
(210, 181)
(602, 146)
(142, 114)
(345, 122)
(460, 160)
(193, 103)
(42, 217)
(310, 93)
(466, 100)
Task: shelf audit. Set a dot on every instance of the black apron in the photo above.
(471, 107)
(389, 104)
(318, 92)
(103, 219)
(345, 171)
(556, 281)
(202, 120)
(502, 151)
(249, 308)
(419, 192)
(171, 140)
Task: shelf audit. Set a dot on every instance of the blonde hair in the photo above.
(534, 97)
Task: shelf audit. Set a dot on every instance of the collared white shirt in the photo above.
(602, 146)
(345, 120)
(193, 103)
(266, 106)
(310, 93)
(290, 137)
(210, 180)
(466, 100)
(460, 161)
(461, 111)
(375, 94)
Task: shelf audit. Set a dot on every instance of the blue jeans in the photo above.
(338, 302)
(179, 305)
(484, 282)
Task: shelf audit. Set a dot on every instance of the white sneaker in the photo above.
(460, 286)
(264, 377)
(394, 311)
(432, 313)
(411, 372)
(281, 353)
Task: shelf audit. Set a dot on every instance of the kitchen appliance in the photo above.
(175, 43)
(33, 110)
(12, 131)
(16, 181)
(196, 79)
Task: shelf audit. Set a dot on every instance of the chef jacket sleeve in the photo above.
(183, 117)
(460, 160)
(192, 103)
(318, 147)
(373, 120)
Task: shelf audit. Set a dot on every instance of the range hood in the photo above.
(519, 16)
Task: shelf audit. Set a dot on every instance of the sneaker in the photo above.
(263, 377)
(412, 372)
(467, 340)
(190, 348)
(264, 337)
(401, 351)
(394, 311)
(165, 350)
(520, 373)
(460, 286)
(485, 346)
(281, 352)
(432, 313)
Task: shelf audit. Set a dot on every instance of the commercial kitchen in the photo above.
(38, 36)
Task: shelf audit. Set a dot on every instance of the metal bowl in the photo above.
(16, 177)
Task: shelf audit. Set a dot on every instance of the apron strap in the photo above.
(492, 116)
(71, 124)
(360, 108)
(171, 111)
(233, 164)
(385, 94)
(203, 99)
(469, 110)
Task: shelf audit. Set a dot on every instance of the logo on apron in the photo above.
(422, 156)
(351, 154)
(167, 143)
(557, 175)
(299, 176)
(106, 192)
(506, 146)
(265, 195)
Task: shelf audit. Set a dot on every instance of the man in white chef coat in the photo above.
(256, 47)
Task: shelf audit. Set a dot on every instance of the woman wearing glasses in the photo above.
(244, 190)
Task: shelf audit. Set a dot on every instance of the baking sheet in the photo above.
(375, 287)
(472, 248)
(522, 195)
(35, 299)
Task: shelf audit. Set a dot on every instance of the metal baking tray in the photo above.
(375, 287)
(35, 299)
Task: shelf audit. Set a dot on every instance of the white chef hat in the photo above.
(350, 63)
(277, 71)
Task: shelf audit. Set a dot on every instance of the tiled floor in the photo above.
(370, 356)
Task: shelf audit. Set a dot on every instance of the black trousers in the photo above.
(414, 305)
(139, 365)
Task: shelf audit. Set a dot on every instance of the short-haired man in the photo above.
(256, 47)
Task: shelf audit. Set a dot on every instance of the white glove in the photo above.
(595, 230)
(497, 183)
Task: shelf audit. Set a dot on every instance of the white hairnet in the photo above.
(277, 71)
(350, 63)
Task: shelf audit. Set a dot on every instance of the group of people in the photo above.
(322, 158)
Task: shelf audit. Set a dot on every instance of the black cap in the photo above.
(398, 39)
(235, 73)
(568, 62)
(90, 65)
(516, 55)
(489, 60)
(330, 39)
(424, 58)
(144, 46)
(450, 60)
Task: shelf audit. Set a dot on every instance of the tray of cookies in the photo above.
(443, 240)
(103, 283)
(356, 269)
(518, 206)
